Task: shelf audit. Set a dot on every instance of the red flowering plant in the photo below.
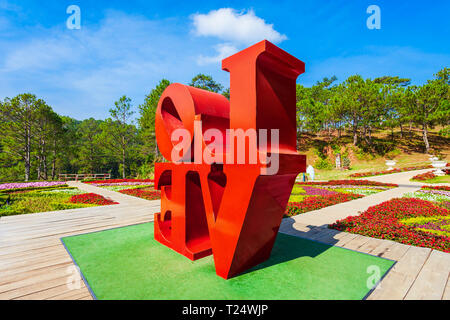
(424, 176)
(348, 182)
(444, 188)
(318, 202)
(383, 221)
(91, 198)
(142, 193)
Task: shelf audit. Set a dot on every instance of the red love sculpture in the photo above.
(232, 205)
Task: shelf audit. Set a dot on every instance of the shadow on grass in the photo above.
(292, 243)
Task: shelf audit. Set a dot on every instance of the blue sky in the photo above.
(126, 47)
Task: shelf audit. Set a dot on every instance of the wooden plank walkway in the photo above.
(33, 262)
(35, 265)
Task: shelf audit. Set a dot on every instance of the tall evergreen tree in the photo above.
(146, 121)
(118, 133)
(206, 82)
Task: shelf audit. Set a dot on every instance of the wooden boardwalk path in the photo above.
(35, 265)
(33, 262)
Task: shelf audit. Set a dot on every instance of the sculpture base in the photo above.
(127, 263)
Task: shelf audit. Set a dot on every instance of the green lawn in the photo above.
(127, 263)
(439, 179)
(368, 166)
(38, 200)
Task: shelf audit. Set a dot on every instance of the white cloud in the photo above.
(238, 27)
(223, 50)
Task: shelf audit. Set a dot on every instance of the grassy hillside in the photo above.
(408, 151)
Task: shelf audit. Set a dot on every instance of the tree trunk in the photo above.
(425, 137)
(355, 136)
(44, 168)
(54, 161)
(44, 160)
(355, 131)
(401, 131)
(368, 136)
(27, 154)
(123, 157)
(38, 169)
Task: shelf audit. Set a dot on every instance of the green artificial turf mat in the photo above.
(127, 263)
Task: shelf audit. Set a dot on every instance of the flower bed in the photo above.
(91, 198)
(445, 188)
(145, 194)
(436, 198)
(348, 183)
(436, 225)
(29, 185)
(438, 192)
(424, 176)
(384, 221)
(311, 191)
(318, 202)
(13, 202)
(340, 186)
(316, 195)
(395, 170)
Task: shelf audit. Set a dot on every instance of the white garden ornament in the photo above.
(390, 164)
(439, 164)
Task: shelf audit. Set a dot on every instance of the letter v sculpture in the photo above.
(232, 205)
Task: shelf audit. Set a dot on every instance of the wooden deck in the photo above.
(33, 262)
(35, 265)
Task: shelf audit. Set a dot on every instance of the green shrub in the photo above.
(445, 132)
(146, 171)
(323, 164)
(336, 148)
(392, 154)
